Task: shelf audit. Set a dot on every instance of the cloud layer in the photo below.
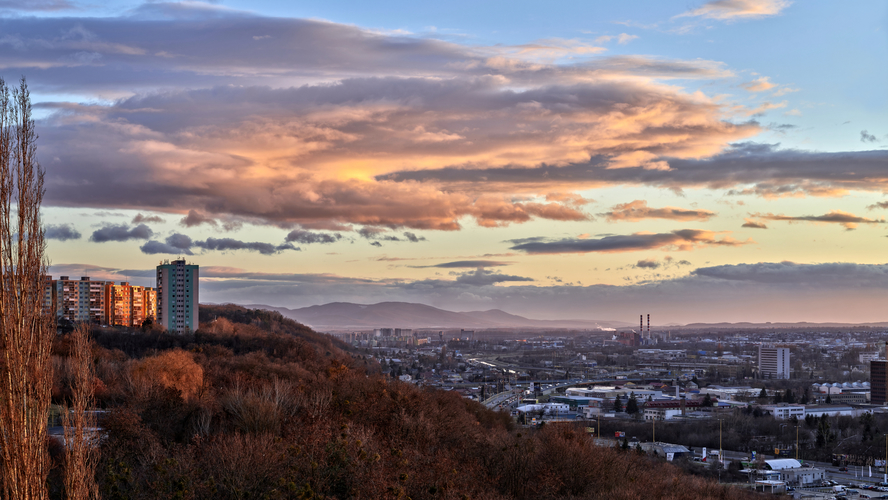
(778, 291)
(231, 117)
(848, 220)
(639, 210)
(683, 239)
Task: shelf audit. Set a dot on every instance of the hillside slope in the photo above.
(254, 405)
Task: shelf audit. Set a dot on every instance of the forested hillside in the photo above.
(254, 405)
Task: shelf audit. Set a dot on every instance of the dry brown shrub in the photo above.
(173, 369)
(245, 466)
(260, 411)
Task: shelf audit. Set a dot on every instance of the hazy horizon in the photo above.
(706, 162)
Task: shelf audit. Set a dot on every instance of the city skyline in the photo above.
(715, 161)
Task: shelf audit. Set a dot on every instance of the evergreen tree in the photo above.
(618, 405)
(805, 397)
(824, 436)
(778, 397)
(763, 394)
(707, 401)
(788, 396)
(632, 405)
(828, 399)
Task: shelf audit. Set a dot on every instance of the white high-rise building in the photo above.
(773, 362)
(177, 296)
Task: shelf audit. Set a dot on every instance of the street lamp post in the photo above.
(720, 457)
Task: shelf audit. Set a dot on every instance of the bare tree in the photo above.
(81, 453)
(25, 328)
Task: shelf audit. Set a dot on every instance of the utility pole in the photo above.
(720, 459)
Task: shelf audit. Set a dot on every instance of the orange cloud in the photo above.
(638, 210)
(759, 85)
(846, 219)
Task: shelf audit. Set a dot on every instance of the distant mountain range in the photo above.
(349, 316)
(345, 315)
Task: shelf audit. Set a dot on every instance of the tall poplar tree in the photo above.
(25, 328)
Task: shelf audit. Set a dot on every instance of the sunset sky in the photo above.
(698, 161)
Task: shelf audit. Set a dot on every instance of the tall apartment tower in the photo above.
(773, 362)
(79, 300)
(177, 295)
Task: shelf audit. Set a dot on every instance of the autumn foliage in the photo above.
(257, 406)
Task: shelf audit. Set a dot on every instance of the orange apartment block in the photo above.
(129, 305)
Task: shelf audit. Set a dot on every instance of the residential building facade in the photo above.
(129, 305)
(177, 295)
(79, 300)
(879, 382)
(773, 362)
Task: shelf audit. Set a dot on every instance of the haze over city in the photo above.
(704, 161)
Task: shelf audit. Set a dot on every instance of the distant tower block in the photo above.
(641, 324)
(649, 326)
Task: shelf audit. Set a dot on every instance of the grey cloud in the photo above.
(375, 244)
(376, 233)
(837, 274)
(61, 232)
(182, 244)
(468, 263)
(754, 224)
(193, 45)
(177, 244)
(748, 168)
(648, 264)
(121, 232)
(228, 244)
(195, 218)
(483, 277)
(156, 247)
(683, 239)
(308, 237)
(178, 240)
(867, 137)
(370, 233)
(880, 204)
(139, 218)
